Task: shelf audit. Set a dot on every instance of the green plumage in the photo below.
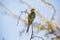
(31, 17)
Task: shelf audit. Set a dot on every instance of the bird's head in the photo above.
(32, 10)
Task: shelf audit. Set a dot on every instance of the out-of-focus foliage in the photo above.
(56, 38)
(51, 26)
(40, 27)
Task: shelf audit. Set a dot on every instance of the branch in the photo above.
(38, 37)
(32, 33)
(34, 36)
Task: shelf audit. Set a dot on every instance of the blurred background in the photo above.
(8, 28)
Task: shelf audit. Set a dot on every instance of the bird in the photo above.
(31, 17)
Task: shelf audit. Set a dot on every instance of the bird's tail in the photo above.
(27, 29)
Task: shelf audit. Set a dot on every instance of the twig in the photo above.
(19, 19)
(32, 33)
(38, 37)
(34, 36)
(52, 18)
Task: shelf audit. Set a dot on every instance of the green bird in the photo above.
(31, 18)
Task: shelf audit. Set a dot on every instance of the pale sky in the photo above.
(8, 28)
